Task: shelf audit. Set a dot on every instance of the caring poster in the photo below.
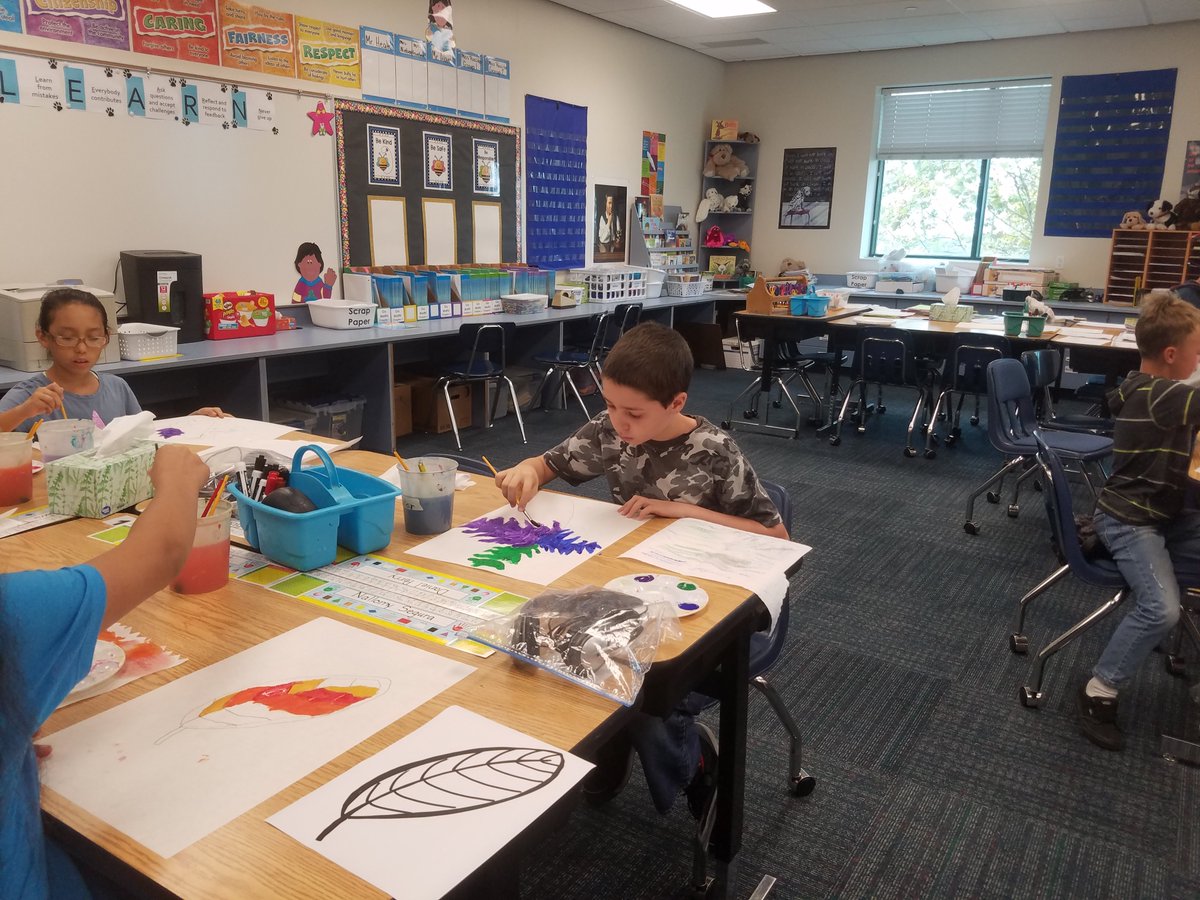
(177, 29)
(327, 53)
(101, 23)
(255, 39)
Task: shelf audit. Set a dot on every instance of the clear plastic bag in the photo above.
(602, 639)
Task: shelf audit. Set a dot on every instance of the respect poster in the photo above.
(256, 39)
(327, 53)
(101, 23)
(178, 29)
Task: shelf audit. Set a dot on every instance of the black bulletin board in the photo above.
(806, 197)
(357, 184)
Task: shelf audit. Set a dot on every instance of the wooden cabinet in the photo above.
(734, 223)
(1143, 261)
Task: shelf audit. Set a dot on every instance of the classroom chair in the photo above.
(486, 344)
(969, 357)
(787, 365)
(1099, 570)
(564, 363)
(765, 648)
(1011, 426)
(624, 316)
(1044, 367)
(887, 356)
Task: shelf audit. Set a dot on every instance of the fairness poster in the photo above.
(256, 39)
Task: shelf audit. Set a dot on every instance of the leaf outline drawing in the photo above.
(483, 777)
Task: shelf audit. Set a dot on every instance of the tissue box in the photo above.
(960, 312)
(82, 485)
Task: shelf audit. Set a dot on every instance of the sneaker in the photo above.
(1098, 719)
(702, 789)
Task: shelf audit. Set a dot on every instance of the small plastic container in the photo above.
(63, 437)
(355, 510)
(207, 565)
(141, 340)
(342, 316)
(16, 468)
(816, 306)
(524, 304)
(428, 495)
(798, 305)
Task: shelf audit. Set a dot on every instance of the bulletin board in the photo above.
(419, 188)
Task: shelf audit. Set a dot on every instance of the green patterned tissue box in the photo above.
(82, 485)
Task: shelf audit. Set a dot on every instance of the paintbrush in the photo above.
(528, 518)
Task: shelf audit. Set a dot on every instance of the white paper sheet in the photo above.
(173, 765)
(1089, 341)
(209, 431)
(389, 230)
(574, 529)
(719, 553)
(444, 823)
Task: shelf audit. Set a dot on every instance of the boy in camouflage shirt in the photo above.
(658, 462)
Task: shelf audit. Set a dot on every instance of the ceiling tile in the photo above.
(1128, 12)
(884, 41)
(1163, 11)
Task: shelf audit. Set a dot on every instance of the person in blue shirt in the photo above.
(73, 327)
(49, 621)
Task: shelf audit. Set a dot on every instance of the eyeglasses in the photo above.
(95, 341)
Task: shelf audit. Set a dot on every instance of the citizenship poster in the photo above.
(101, 23)
(256, 39)
(10, 15)
(327, 53)
(176, 29)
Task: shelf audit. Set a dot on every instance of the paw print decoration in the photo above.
(58, 107)
(108, 111)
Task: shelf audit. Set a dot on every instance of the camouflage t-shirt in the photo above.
(703, 467)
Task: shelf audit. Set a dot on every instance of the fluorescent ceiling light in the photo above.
(723, 9)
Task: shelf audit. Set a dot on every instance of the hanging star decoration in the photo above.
(322, 120)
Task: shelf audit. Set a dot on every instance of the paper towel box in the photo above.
(82, 485)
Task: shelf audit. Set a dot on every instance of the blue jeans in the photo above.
(1151, 559)
(669, 748)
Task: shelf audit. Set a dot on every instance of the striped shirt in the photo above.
(1156, 420)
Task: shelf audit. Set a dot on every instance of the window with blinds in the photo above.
(958, 168)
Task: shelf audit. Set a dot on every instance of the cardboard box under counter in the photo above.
(82, 485)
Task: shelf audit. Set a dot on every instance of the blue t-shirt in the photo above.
(49, 621)
(113, 398)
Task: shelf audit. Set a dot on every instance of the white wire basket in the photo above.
(141, 340)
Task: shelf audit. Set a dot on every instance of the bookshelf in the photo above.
(735, 223)
(659, 244)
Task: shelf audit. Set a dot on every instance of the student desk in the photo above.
(248, 857)
(242, 375)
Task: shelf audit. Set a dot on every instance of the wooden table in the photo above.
(248, 857)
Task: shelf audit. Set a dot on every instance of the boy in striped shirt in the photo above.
(1140, 515)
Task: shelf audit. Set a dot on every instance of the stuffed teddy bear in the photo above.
(748, 137)
(711, 202)
(1132, 221)
(790, 266)
(743, 195)
(731, 203)
(722, 163)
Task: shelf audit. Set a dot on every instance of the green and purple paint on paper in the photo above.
(516, 541)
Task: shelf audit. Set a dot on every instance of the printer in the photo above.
(19, 307)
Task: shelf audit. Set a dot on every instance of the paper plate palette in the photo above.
(687, 597)
(106, 662)
(38, 465)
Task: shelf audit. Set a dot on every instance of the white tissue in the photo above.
(122, 433)
(950, 298)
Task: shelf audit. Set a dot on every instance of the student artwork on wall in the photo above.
(439, 32)
(178, 762)
(436, 159)
(419, 816)
(806, 195)
(439, 158)
(608, 231)
(81, 21)
(384, 147)
(177, 29)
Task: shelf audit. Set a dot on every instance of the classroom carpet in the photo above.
(932, 779)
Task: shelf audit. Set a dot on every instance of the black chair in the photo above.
(887, 356)
(786, 366)
(565, 363)
(623, 317)
(1011, 426)
(485, 364)
(1044, 368)
(1101, 572)
(969, 357)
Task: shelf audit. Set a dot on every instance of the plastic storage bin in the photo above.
(523, 304)
(336, 417)
(612, 284)
(687, 285)
(330, 314)
(355, 510)
(141, 340)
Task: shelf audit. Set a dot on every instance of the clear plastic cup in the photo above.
(207, 566)
(16, 468)
(62, 437)
(429, 495)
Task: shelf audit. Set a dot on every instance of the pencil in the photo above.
(33, 430)
(487, 462)
(400, 459)
(216, 496)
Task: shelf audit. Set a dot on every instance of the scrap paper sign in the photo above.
(417, 818)
(570, 531)
(177, 763)
(101, 23)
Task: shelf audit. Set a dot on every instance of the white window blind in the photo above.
(978, 120)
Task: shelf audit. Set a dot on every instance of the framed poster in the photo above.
(438, 156)
(609, 229)
(806, 196)
(384, 145)
(487, 167)
(1190, 187)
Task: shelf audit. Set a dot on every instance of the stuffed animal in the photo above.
(711, 202)
(714, 237)
(731, 203)
(790, 266)
(1162, 214)
(743, 268)
(1132, 221)
(743, 194)
(1183, 216)
(722, 163)
(748, 137)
